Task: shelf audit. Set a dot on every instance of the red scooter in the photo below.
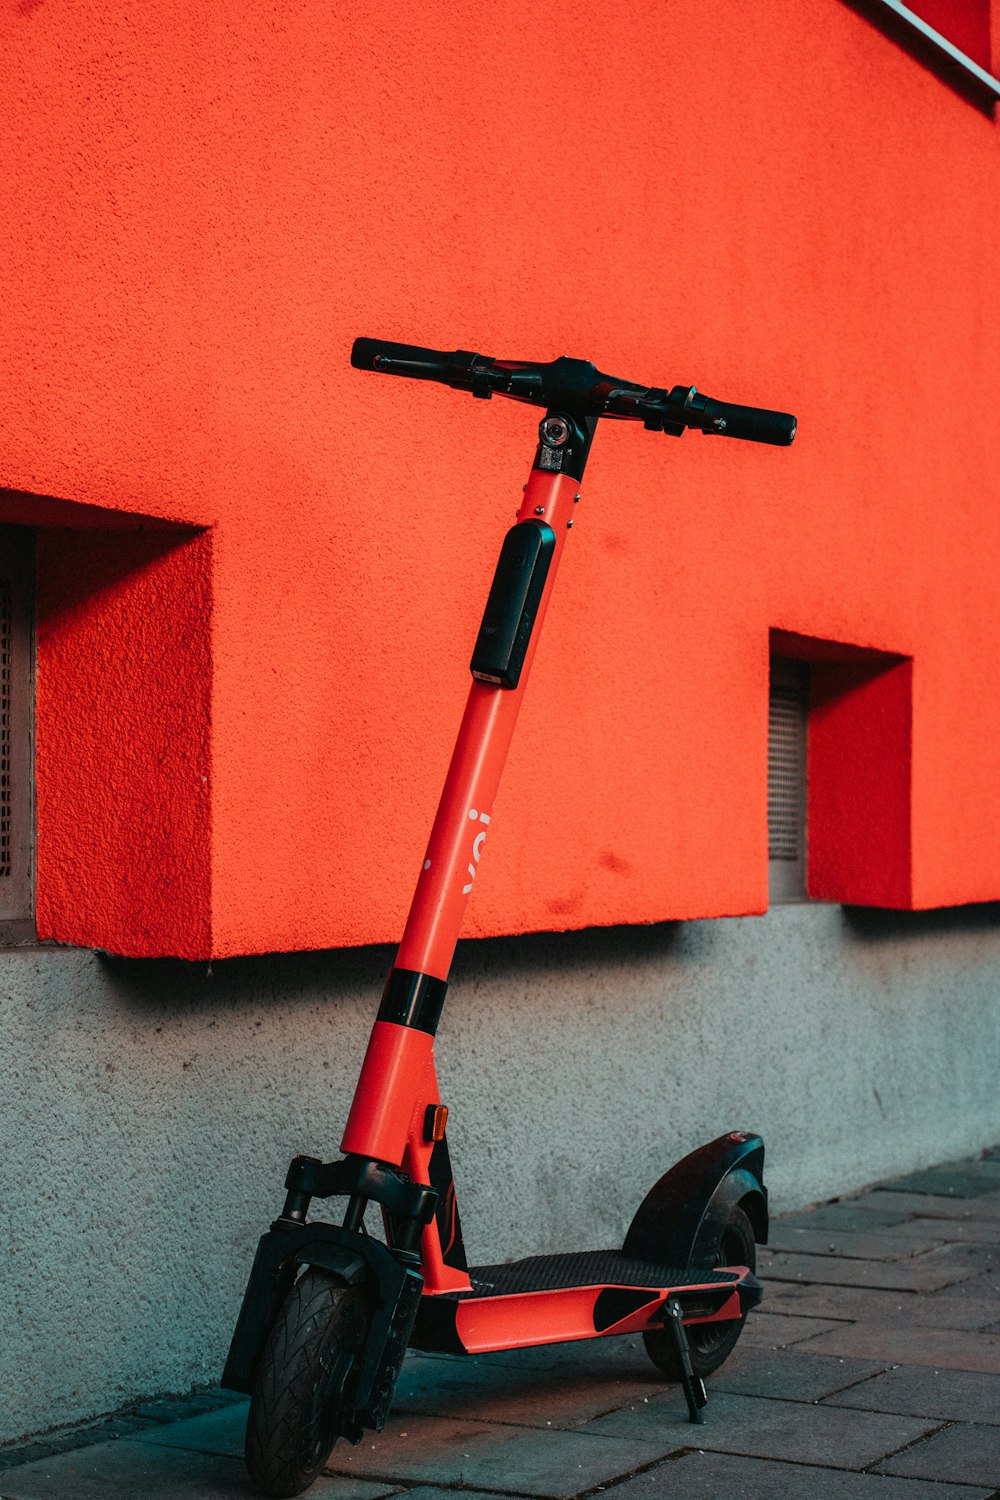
(330, 1310)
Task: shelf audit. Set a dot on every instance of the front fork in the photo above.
(389, 1275)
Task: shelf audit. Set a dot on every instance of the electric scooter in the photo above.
(330, 1309)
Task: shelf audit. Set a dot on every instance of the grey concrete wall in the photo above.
(150, 1108)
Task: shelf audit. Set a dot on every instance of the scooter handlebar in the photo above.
(429, 364)
(754, 423)
(576, 385)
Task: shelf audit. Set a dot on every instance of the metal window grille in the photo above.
(786, 779)
(16, 683)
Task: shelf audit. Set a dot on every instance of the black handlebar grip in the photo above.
(435, 363)
(754, 423)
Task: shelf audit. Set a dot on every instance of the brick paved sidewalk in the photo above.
(872, 1370)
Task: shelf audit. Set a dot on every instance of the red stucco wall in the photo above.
(204, 204)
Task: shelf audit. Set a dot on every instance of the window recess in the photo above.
(16, 735)
(786, 779)
(841, 741)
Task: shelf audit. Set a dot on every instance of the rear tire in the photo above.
(711, 1344)
(298, 1407)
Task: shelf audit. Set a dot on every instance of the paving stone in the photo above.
(984, 1256)
(961, 1180)
(790, 1375)
(913, 1390)
(126, 1424)
(966, 1452)
(129, 1470)
(775, 1330)
(82, 1437)
(220, 1432)
(218, 1395)
(423, 1492)
(718, 1476)
(167, 1409)
(849, 1216)
(480, 1455)
(762, 1428)
(961, 1231)
(883, 1244)
(929, 1206)
(923, 1273)
(29, 1454)
(118, 1427)
(981, 1296)
(911, 1344)
(872, 1305)
(537, 1396)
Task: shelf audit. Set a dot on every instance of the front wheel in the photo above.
(297, 1409)
(710, 1343)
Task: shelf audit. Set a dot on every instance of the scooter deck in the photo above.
(551, 1299)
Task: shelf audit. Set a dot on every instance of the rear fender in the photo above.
(679, 1217)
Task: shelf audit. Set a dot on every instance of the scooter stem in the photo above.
(397, 1075)
(466, 806)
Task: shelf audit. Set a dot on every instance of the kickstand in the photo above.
(695, 1393)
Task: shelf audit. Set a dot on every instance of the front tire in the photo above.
(711, 1344)
(298, 1407)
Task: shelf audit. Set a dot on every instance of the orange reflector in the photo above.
(435, 1121)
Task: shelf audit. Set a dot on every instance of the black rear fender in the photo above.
(678, 1220)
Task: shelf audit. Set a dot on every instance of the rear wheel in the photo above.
(298, 1407)
(710, 1343)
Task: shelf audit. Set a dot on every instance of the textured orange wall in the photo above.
(204, 204)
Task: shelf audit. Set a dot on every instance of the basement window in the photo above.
(786, 779)
(16, 735)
